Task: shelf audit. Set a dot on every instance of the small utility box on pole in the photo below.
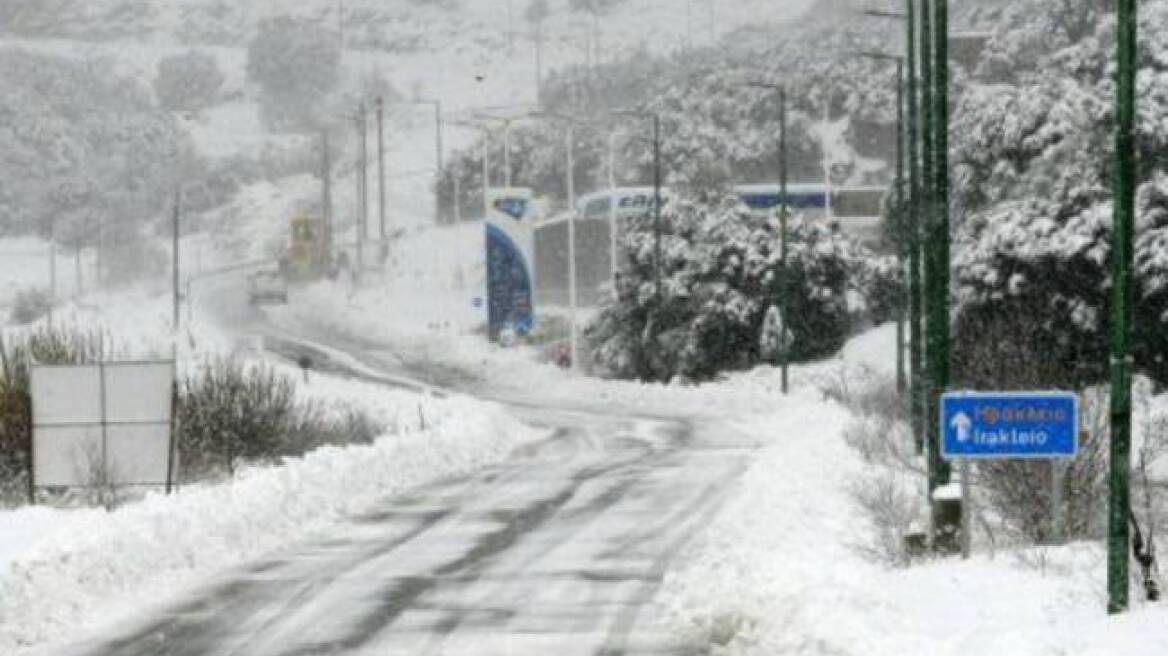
(1006, 425)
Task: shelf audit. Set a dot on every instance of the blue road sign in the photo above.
(1009, 425)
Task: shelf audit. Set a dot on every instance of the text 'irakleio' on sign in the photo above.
(1009, 425)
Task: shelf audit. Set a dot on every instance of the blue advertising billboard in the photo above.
(510, 243)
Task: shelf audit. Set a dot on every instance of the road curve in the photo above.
(559, 551)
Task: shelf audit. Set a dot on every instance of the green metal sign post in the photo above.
(1118, 534)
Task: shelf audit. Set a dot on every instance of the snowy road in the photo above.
(559, 551)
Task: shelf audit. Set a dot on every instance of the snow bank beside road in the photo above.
(776, 573)
(92, 565)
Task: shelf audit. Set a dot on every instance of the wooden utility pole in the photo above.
(784, 305)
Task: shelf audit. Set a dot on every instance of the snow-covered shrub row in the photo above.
(229, 413)
(1033, 160)
(721, 273)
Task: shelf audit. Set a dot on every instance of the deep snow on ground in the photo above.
(777, 571)
(65, 571)
(780, 570)
(774, 573)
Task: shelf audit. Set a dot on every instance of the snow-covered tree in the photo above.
(190, 82)
(75, 135)
(296, 64)
(721, 274)
(1032, 245)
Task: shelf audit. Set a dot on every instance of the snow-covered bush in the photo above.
(229, 413)
(720, 274)
(1032, 245)
(190, 82)
(888, 490)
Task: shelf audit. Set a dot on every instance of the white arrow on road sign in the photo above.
(962, 423)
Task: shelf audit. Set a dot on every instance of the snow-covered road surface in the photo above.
(561, 550)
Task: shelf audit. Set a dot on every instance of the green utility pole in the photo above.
(899, 209)
(925, 213)
(946, 516)
(914, 242)
(938, 230)
(1118, 536)
(783, 304)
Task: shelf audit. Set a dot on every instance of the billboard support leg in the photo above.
(31, 461)
(171, 449)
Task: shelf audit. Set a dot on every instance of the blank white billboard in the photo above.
(66, 395)
(67, 455)
(138, 392)
(102, 424)
(138, 453)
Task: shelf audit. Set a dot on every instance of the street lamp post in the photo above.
(612, 201)
(174, 267)
(507, 154)
(929, 208)
(570, 187)
(916, 393)
(506, 123)
(901, 380)
(572, 271)
(52, 267)
(655, 123)
(657, 204)
(362, 176)
(381, 171)
(486, 173)
(913, 209)
(783, 299)
(898, 207)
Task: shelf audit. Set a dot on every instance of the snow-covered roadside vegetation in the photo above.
(807, 556)
(63, 570)
(722, 274)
